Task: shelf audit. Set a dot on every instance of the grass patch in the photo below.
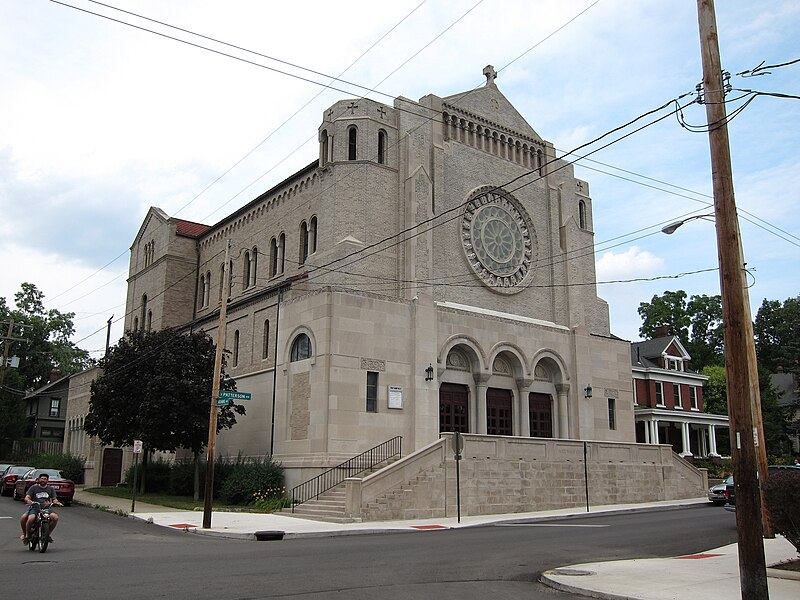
(179, 502)
(184, 502)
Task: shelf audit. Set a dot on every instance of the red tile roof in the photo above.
(190, 229)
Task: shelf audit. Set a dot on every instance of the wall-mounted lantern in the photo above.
(587, 391)
(429, 373)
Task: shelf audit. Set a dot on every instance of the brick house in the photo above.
(668, 399)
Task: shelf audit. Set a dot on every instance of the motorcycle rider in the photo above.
(45, 495)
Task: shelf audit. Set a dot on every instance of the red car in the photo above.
(10, 477)
(65, 488)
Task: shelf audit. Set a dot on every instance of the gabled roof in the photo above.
(647, 353)
(45, 388)
(490, 103)
(190, 229)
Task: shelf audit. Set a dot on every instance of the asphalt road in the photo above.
(101, 555)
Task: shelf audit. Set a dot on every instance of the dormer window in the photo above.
(673, 364)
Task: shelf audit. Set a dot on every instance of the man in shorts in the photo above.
(45, 495)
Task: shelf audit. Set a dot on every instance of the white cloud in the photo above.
(631, 264)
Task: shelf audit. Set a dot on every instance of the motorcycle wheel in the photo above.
(33, 541)
(44, 537)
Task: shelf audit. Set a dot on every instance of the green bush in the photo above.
(718, 468)
(781, 492)
(248, 478)
(154, 473)
(181, 478)
(70, 466)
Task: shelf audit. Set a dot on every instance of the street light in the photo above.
(672, 227)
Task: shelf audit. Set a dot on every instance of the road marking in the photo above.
(543, 525)
(6, 517)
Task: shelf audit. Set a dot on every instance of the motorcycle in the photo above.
(40, 529)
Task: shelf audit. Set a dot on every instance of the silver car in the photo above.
(717, 494)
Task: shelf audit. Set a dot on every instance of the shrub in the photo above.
(718, 468)
(782, 491)
(70, 466)
(154, 473)
(181, 478)
(249, 476)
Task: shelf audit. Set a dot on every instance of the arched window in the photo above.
(236, 348)
(221, 280)
(207, 299)
(312, 236)
(265, 345)
(246, 270)
(582, 214)
(303, 242)
(301, 348)
(136, 323)
(202, 290)
(352, 142)
(230, 280)
(149, 320)
(273, 257)
(144, 309)
(381, 147)
(282, 251)
(323, 151)
(253, 266)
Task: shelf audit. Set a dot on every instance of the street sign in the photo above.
(137, 446)
(457, 443)
(231, 395)
(223, 401)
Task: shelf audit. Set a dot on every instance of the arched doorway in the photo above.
(453, 408)
(541, 414)
(499, 408)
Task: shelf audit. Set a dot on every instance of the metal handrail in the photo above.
(323, 482)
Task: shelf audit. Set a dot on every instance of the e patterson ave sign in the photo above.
(227, 396)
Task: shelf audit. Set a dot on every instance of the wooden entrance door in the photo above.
(112, 467)
(541, 415)
(453, 408)
(498, 412)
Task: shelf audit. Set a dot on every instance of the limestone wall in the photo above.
(509, 475)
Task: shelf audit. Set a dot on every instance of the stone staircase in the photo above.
(327, 507)
(416, 499)
(330, 505)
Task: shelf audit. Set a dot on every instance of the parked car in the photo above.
(10, 477)
(3, 467)
(65, 488)
(730, 488)
(716, 494)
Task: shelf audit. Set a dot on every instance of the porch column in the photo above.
(562, 389)
(654, 431)
(481, 384)
(687, 451)
(712, 439)
(524, 387)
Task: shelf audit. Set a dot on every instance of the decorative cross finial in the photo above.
(490, 73)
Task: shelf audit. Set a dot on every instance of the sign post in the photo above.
(137, 450)
(458, 447)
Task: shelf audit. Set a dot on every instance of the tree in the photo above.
(44, 346)
(715, 393)
(45, 334)
(156, 387)
(777, 333)
(697, 323)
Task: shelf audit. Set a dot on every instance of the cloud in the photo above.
(631, 264)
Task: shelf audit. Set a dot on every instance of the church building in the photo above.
(431, 271)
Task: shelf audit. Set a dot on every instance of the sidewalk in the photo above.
(714, 573)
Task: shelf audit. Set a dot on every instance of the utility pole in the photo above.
(212, 419)
(8, 338)
(736, 321)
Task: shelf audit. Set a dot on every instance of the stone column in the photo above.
(562, 389)
(524, 419)
(481, 383)
(687, 450)
(712, 440)
(654, 431)
(646, 431)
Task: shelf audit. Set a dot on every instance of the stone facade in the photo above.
(438, 233)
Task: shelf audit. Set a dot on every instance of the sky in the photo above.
(100, 120)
